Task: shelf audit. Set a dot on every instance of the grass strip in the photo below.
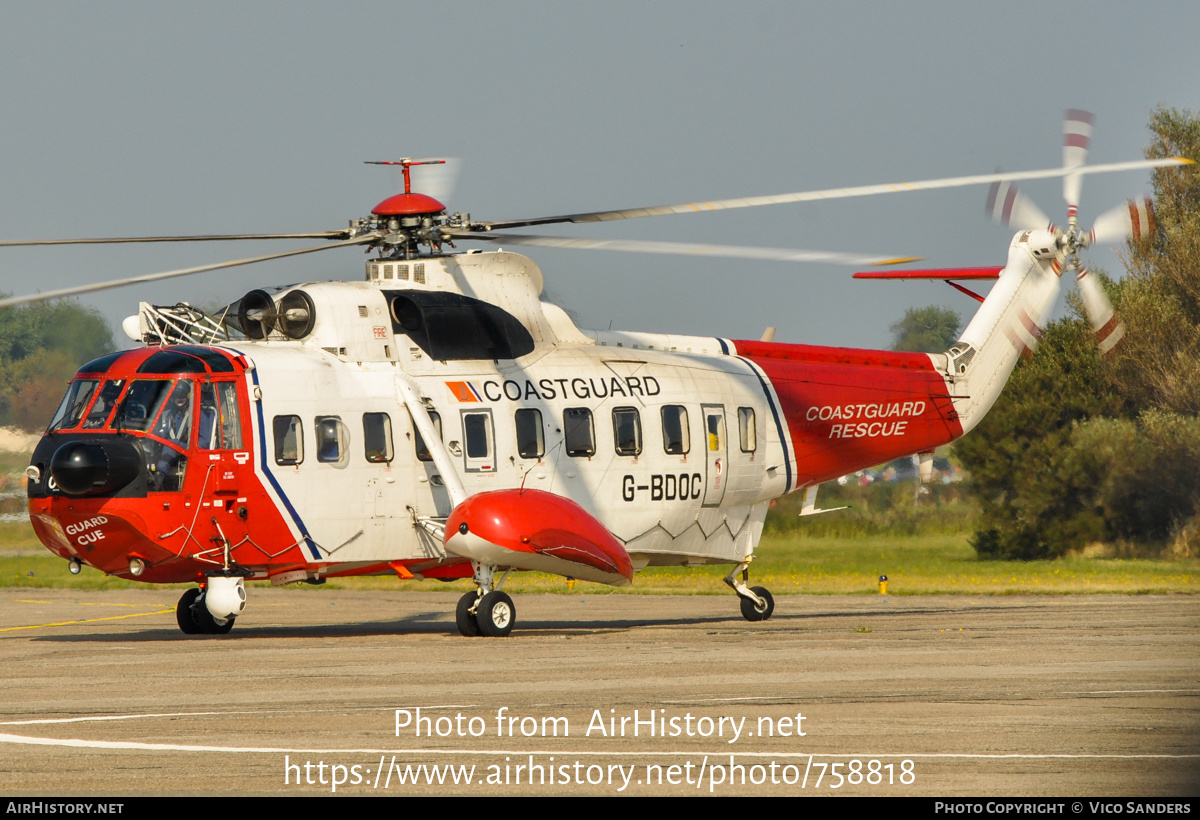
(786, 564)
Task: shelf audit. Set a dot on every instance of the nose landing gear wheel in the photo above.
(205, 623)
(183, 613)
(751, 611)
(495, 615)
(468, 627)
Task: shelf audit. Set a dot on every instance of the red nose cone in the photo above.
(408, 205)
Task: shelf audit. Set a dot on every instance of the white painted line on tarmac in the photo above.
(173, 747)
(1136, 692)
(118, 717)
(91, 718)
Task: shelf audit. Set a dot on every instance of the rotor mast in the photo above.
(408, 220)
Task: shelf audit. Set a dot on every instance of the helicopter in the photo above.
(438, 419)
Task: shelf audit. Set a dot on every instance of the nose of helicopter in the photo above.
(93, 467)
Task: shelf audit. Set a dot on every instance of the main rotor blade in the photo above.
(829, 193)
(683, 249)
(207, 238)
(154, 277)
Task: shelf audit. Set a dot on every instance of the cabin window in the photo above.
(104, 404)
(422, 449)
(333, 440)
(746, 430)
(477, 432)
(289, 440)
(73, 404)
(377, 437)
(676, 440)
(580, 432)
(531, 439)
(627, 431)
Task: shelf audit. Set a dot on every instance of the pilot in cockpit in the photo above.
(176, 420)
(174, 425)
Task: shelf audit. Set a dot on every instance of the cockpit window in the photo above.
(175, 422)
(216, 362)
(172, 361)
(220, 423)
(141, 404)
(73, 404)
(102, 364)
(102, 407)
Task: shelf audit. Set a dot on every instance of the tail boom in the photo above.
(847, 409)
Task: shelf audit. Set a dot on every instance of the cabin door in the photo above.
(715, 447)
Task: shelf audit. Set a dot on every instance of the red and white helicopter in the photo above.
(439, 420)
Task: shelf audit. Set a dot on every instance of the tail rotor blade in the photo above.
(1132, 220)
(1105, 322)
(1009, 207)
(1077, 135)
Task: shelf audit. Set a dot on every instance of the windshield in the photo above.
(104, 404)
(73, 404)
(142, 404)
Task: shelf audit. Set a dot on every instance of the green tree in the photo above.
(1079, 450)
(1158, 364)
(1033, 495)
(926, 330)
(41, 347)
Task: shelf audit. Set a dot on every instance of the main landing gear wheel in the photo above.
(752, 611)
(468, 627)
(183, 612)
(495, 615)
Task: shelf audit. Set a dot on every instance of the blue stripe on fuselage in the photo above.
(766, 388)
(262, 460)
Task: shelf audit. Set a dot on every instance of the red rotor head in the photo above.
(408, 203)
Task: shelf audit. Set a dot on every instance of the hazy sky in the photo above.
(144, 118)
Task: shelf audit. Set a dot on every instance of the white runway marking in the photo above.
(173, 747)
(117, 717)
(93, 718)
(1137, 692)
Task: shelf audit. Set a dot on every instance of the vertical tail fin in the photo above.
(1007, 325)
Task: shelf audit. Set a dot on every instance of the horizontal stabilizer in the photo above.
(933, 273)
(810, 503)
